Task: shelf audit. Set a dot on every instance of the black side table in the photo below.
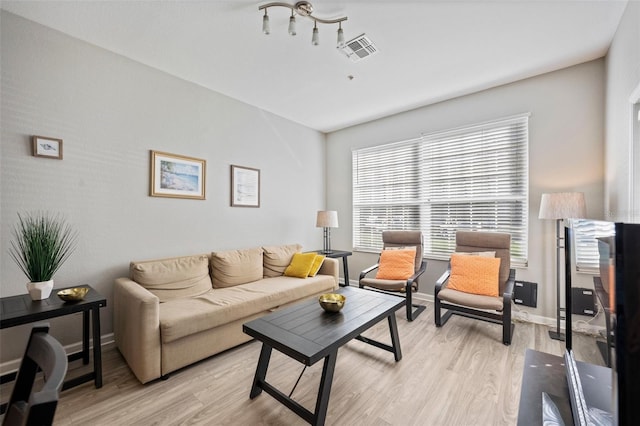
(18, 310)
(336, 254)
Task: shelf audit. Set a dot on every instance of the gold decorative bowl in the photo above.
(73, 294)
(332, 302)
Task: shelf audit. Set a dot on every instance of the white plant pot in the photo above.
(40, 290)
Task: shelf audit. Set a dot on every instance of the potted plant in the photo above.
(42, 244)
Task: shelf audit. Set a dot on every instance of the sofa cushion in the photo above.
(184, 317)
(277, 258)
(173, 278)
(233, 267)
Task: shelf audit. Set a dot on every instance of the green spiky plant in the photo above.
(42, 244)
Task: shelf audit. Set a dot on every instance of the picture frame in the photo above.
(245, 186)
(46, 147)
(177, 176)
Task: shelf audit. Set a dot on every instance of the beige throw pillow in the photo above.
(233, 267)
(173, 278)
(277, 258)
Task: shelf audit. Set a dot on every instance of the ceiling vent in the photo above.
(358, 48)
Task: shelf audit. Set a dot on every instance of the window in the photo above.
(473, 178)
(585, 232)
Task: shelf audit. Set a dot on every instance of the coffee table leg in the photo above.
(261, 370)
(325, 388)
(395, 339)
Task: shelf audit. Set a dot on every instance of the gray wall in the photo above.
(623, 80)
(110, 111)
(566, 132)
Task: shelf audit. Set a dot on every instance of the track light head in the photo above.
(265, 23)
(315, 38)
(292, 25)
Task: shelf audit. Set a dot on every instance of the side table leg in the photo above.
(97, 350)
(324, 390)
(345, 266)
(261, 371)
(85, 337)
(395, 338)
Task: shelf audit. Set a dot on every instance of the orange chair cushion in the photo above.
(474, 274)
(396, 264)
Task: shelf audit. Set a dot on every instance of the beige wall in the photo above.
(623, 84)
(566, 133)
(110, 111)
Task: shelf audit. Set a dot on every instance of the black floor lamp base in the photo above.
(555, 335)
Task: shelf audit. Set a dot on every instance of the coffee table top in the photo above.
(307, 333)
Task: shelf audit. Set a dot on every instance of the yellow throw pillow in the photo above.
(396, 264)
(300, 265)
(475, 274)
(317, 263)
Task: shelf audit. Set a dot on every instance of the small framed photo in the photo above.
(177, 176)
(245, 187)
(47, 147)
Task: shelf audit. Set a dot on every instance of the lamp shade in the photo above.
(327, 219)
(562, 205)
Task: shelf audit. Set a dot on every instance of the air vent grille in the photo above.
(359, 48)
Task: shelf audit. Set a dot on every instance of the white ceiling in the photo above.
(429, 51)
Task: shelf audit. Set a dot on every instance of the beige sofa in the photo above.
(170, 313)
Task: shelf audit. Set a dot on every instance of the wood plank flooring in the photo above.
(460, 374)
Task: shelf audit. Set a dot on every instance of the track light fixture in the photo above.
(302, 8)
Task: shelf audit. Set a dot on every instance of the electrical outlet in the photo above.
(525, 293)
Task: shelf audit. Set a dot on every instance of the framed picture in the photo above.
(47, 147)
(245, 187)
(177, 176)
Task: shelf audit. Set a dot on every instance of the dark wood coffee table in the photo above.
(308, 334)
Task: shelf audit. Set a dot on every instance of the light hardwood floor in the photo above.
(460, 374)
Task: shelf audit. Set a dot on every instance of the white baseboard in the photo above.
(13, 365)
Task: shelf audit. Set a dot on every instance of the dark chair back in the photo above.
(27, 407)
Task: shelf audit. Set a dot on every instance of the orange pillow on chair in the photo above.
(396, 264)
(475, 274)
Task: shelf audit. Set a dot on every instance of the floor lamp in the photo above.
(327, 219)
(559, 206)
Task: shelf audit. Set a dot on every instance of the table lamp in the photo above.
(327, 219)
(559, 206)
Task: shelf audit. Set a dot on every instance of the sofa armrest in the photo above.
(136, 325)
(331, 266)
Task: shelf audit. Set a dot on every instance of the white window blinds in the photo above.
(470, 178)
